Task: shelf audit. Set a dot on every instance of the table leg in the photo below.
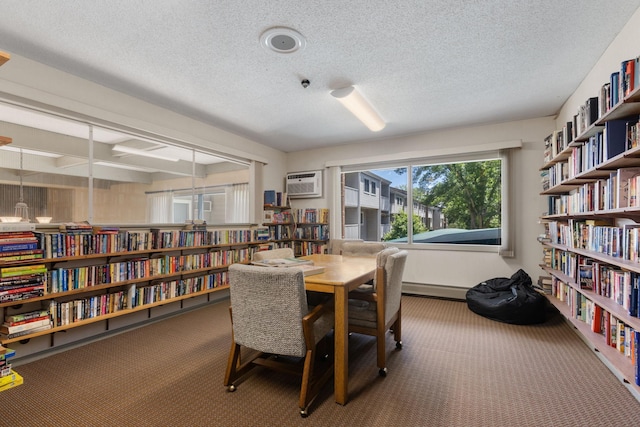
(341, 360)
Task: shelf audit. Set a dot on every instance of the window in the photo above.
(454, 203)
(68, 170)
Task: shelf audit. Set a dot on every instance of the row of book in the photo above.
(314, 232)
(67, 312)
(620, 286)
(311, 215)
(303, 248)
(66, 279)
(70, 244)
(614, 331)
(277, 217)
(622, 83)
(616, 137)
(8, 377)
(596, 235)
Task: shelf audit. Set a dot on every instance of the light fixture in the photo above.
(355, 102)
(138, 152)
(21, 210)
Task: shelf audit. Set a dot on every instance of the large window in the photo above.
(453, 203)
(65, 170)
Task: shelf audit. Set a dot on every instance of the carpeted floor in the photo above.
(456, 369)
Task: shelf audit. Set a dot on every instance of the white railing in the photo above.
(351, 231)
(384, 203)
(350, 196)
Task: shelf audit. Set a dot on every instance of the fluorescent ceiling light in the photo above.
(27, 151)
(127, 167)
(355, 102)
(137, 152)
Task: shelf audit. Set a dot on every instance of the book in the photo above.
(585, 276)
(310, 270)
(17, 226)
(16, 381)
(283, 262)
(22, 246)
(28, 331)
(30, 325)
(22, 270)
(270, 197)
(45, 316)
(11, 377)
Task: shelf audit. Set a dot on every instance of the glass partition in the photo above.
(72, 171)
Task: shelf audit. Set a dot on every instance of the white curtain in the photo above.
(237, 204)
(160, 208)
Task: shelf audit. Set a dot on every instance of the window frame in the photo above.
(498, 150)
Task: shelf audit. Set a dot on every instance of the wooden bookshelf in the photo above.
(86, 272)
(591, 223)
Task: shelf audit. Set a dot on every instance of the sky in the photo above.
(396, 180)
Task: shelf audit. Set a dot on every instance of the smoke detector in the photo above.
(282, 40)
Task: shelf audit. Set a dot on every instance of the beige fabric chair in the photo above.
(335, 245)
(314, 298)
(374, 313)
(273, 253)
(351, 248)
(365, 249)
(270, 315)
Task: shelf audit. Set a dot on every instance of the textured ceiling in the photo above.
(424, 64)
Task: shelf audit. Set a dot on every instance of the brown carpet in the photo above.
(456, 369)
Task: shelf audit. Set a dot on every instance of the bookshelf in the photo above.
(591, 244)
(306, 230)
(280, 226)
(311, 234)
(94, 275)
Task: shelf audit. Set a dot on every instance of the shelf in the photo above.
(84, 322)
(597, 343)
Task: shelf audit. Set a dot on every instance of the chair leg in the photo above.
(232, 366)
(305, 387)
(381, 349)
(397, 330)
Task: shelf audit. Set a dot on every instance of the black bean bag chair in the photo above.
(510, 300)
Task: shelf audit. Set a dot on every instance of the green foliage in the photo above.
(468, 193)
(399, 227)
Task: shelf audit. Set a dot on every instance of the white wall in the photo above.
(458, 269)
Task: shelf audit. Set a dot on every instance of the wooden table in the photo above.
(342, 274)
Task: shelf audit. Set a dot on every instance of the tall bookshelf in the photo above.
(280, 226)
(96, 276)
(591, 244)
(305, 230)
(311, 233)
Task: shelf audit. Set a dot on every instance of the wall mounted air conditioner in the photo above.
(302, 185)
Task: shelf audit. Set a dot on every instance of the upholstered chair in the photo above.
(374, 313)
(273, 253)
(270, 315)
(335, 245)
(354, 248)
